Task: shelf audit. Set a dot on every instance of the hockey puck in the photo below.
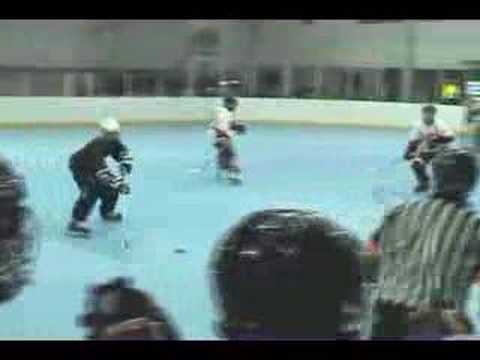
(180, 250)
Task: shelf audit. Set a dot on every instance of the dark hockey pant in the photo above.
(90, 191)
(226, 155)
(419, 167)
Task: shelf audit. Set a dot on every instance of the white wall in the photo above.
(445, 44)
(440, 44)
(151, 44)
(53, 43)
(159, 44)
(138, 44)
(337, 112)
(88, 43)
(45, 110)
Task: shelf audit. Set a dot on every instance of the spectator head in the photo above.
(285, 274)
(438, 324)
(16, 235)
(455, 174)
(118, 311)
(428, 114)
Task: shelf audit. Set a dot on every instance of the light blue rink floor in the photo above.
(330, 169)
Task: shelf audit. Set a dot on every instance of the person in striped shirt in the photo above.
(426, 139)
(428, 249)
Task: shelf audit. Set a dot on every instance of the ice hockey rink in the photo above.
(344, 172)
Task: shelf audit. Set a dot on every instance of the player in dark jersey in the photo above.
(94, 178)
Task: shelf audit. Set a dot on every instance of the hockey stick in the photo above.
(382, 191)
(125, 208)
(206, 164)
(125, 240)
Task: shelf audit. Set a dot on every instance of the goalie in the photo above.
(223, 130)
(427, 139)
(95, 180)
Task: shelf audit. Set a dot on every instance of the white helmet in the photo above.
(110, 125)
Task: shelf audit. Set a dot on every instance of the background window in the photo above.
(108, 84)
(46, 83)
(143, 84)
(269, 82)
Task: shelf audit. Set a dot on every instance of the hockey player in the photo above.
(95, 180)
(427, 139)
(223, 130)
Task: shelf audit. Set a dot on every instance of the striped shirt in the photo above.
(429, 249)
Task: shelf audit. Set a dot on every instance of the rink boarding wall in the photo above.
(68, 111)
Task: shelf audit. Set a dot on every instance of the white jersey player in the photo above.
(424, 133)
(222, 124)
(222, 131)
(426, 140)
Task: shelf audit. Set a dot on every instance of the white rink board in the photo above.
(73, 111)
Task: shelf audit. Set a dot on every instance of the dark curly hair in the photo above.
(16, 235)
(285, 274)
(117, 302)
(455, 173)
